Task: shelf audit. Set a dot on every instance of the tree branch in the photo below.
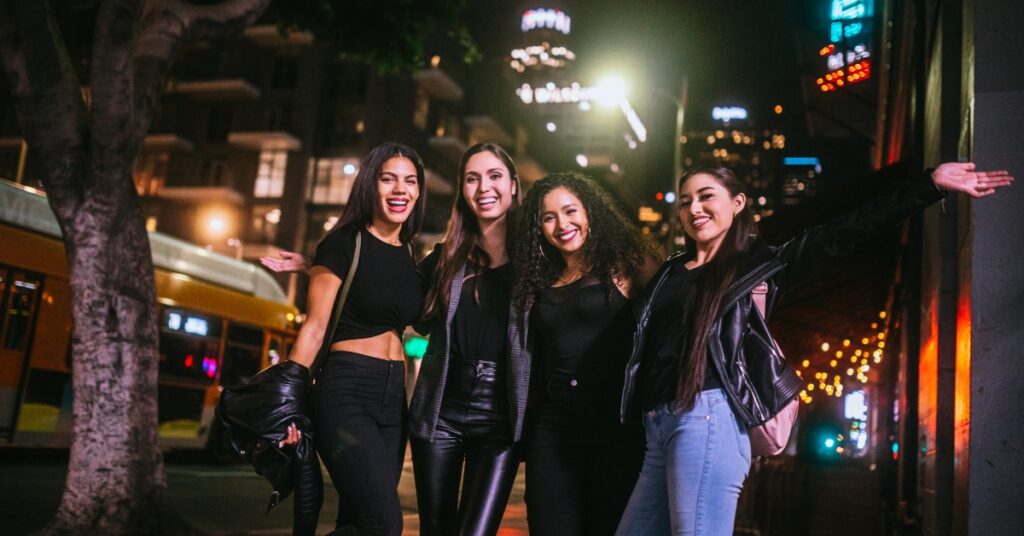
(47, 99)
(224, 19)
(111, 80)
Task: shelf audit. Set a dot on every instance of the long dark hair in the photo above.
(462, 236)
(365, 198)
(614, 249)
(701, 307)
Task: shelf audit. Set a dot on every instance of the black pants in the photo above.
(359, 419)
(472, 431)
(581, 465)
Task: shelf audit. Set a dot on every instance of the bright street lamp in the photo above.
(610, 91)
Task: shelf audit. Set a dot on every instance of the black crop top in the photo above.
(385, 294)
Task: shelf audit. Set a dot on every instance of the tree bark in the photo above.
(116, 482)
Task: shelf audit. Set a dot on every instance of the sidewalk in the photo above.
(216, 500)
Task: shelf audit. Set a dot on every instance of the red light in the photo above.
(825, 51)
(188, 361)
(659, 196)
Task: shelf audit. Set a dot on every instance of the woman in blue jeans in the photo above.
(686, 371)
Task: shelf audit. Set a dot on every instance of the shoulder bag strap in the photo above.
(758, 294)
(338, 306)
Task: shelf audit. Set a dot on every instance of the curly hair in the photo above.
(614, 249)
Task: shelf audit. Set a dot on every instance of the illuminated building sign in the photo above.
(801, 161)
(847, 56)
(551, 19)
(543, 55)
(550, 93)
(728, 113)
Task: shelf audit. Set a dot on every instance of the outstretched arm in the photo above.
(957, 177)
(838, 237)
(289, 261)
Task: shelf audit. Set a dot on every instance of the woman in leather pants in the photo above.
(578, 262)
(460, 416)
(700, 311)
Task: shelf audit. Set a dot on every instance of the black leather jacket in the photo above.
(782, 268)
(256, 416)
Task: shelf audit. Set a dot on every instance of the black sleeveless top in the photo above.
(582, 333)
(386, 294)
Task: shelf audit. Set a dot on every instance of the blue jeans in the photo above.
(693, 470)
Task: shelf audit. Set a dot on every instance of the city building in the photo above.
(565, 118)
(730, 136)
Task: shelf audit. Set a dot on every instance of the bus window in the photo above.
(189, 345)
(18, 313)
(276, 350)
(241, 354)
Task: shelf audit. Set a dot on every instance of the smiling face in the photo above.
(563, 222)
(487, 186)
(707, 209)
(398, 188)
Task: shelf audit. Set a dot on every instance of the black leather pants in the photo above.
(472, 431)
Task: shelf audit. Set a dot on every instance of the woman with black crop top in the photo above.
(461, 418)
(578, 261)
(359, 396)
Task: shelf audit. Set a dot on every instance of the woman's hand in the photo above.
(289, 262)
(291, 438)
(957, 177)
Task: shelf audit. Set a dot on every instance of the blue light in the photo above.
(836, 32)
(853, 29)
(830, 442)
(670, 197)
(801, 161)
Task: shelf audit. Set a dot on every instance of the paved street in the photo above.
(216, 500)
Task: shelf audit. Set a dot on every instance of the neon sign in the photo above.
(728, 113)
(551, 19)
(847, 56)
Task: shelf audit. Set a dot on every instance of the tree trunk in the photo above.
(116, 482)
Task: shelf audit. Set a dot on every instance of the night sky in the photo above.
(734, 52)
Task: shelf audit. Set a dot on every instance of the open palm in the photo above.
(962, 177)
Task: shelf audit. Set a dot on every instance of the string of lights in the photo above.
(845, 364)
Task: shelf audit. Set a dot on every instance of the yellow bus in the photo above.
(221, 320)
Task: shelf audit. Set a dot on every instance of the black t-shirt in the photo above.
(659, 365)
(480, 325)
(386, 293)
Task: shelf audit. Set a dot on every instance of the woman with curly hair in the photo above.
(577, 261)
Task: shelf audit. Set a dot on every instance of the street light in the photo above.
(611, 91)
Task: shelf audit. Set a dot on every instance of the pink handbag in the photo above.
(770, 438)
